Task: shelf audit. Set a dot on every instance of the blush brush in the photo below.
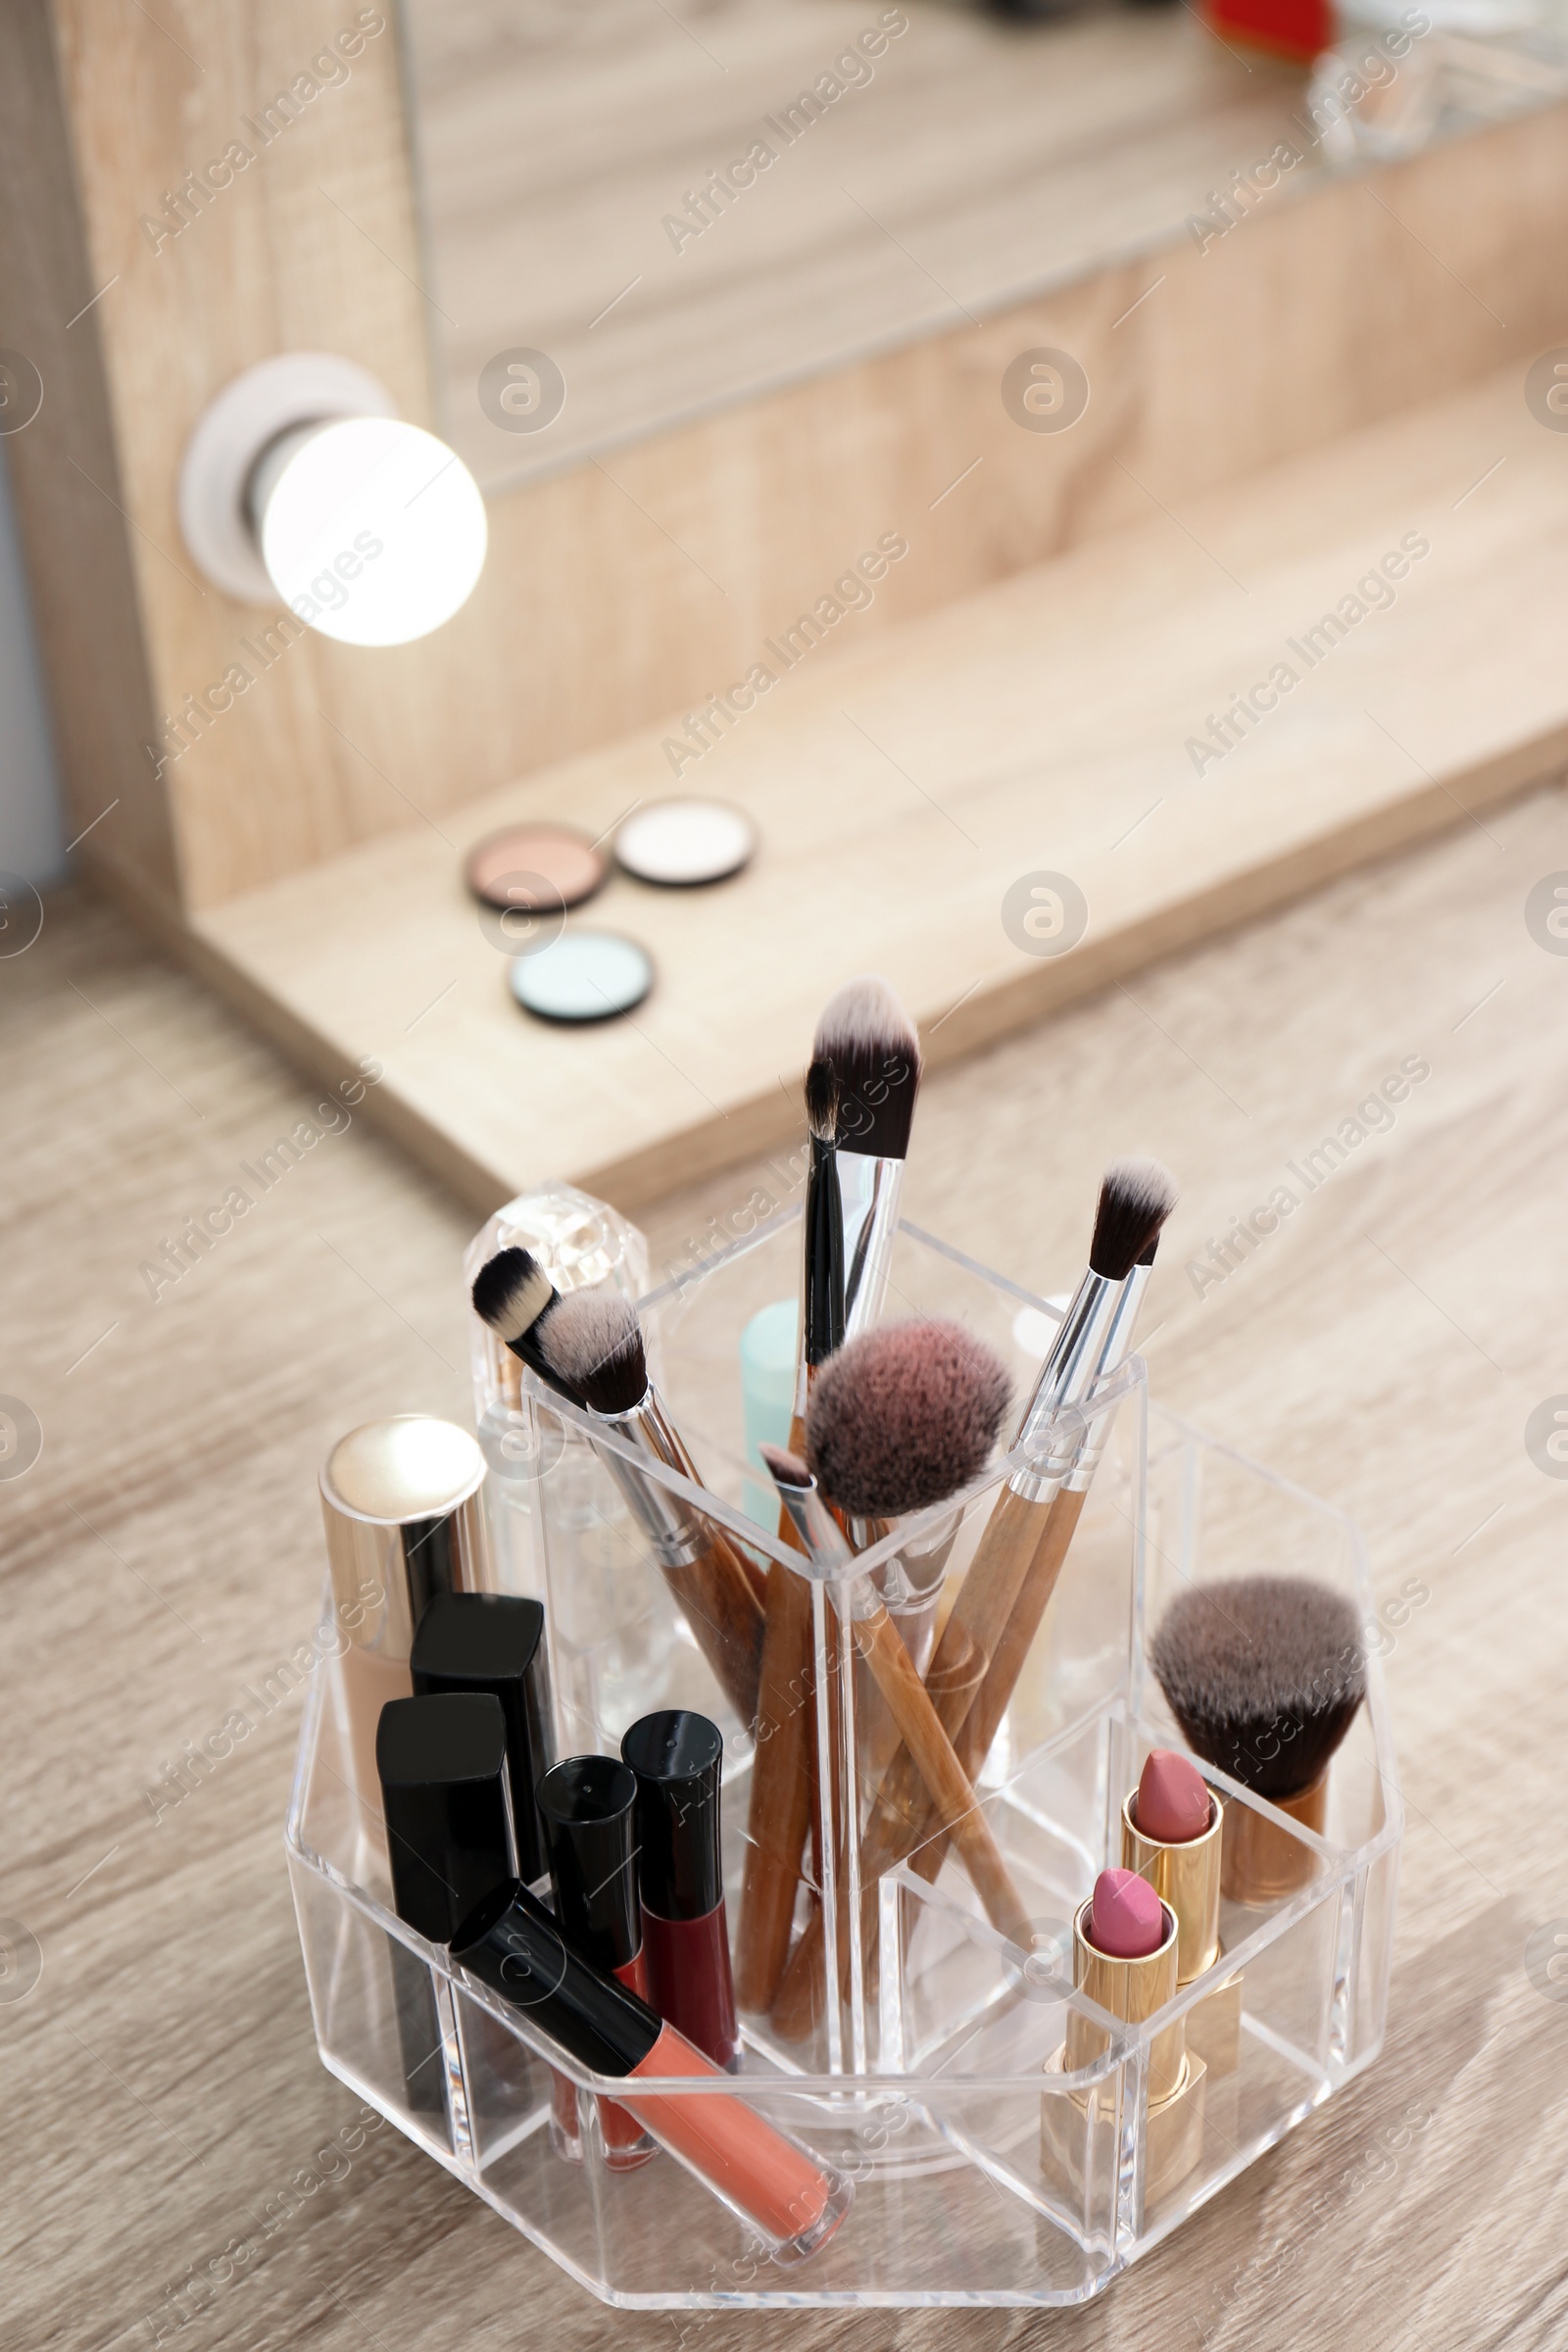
(1265, 1674)
(589, 1347)
(901, 1420)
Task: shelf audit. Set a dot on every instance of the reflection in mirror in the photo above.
(637, 212)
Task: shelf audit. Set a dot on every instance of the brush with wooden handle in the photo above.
(947, 1786)
(992, 1699)
(901, 1420)
(1136, 1195)
(861, 1092)
(589, 1345)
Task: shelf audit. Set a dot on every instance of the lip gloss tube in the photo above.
(677, 1757)
(777, 2187)
(588, 1808)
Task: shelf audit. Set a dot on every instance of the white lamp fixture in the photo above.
(301, 481)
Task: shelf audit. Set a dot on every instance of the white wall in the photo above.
(33, 837)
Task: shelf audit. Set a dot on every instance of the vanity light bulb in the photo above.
(374, 531)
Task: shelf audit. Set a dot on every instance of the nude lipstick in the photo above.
(588, 1806)
(1172, 1829)
(776, 2186)
(677, 1757)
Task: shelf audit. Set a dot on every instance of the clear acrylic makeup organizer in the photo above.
(986, 2175)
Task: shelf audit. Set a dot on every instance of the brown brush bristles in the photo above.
(785, 1469)
(1136, 1197)
(1263, 1674)
(821, 1100)
(870, 1040)
(593, 1345)
(904, 1416)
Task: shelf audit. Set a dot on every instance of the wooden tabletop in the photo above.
(1385, 1347)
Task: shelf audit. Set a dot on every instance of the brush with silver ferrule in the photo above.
(779, 1819)
(995, 1695)
(899, 1681)
(870, 1043)
(590, 1346)
(902, 1419)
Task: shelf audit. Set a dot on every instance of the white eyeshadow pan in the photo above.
(681, 843)
(583, 976)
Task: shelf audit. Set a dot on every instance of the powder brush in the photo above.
(904, 1418)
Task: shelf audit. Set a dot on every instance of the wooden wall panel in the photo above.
(630, 589)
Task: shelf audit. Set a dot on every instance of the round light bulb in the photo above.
(374, 531)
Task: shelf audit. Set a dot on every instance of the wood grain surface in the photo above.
(1386, 1349)
(906, 788)
(624, 587)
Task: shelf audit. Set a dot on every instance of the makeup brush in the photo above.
(903, 1418)
(877, 1640)
(589, 1345)
(995, 1695)
(779, 1817)
(870, 1043)
(1265, 1674)
(973, 1741)
(1136, 1197)
(515, 1296)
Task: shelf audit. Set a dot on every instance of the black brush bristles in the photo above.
(1265, 1674)
(904, 1416)
(1136, 1197)
(592, 1344)
(870, 1040)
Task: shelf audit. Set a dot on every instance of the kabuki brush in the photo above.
(1265, 1674)
(1136, 1197)
(589, 1346)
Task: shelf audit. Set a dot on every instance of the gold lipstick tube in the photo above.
(1187, 1879)
(1133, 1990)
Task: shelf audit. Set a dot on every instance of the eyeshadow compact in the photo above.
(680, 844)
(583, 976)
(506, 868)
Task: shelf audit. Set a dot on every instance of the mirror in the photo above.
(636, 211)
